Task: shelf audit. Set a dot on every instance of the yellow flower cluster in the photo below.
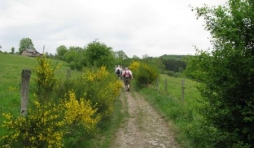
(93, 75)
(44, 70)
(134, 66)
(150, 70)
(41, 127)
(147, 73)
(45, 77)
(80, 112)
(115, 86)
(101, 88)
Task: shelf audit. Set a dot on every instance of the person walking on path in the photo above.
(127, 76)
(118, 71)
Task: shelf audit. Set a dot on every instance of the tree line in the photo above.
(99, 54)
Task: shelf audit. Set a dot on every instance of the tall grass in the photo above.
(169, 102)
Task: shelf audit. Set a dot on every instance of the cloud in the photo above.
(146, 27)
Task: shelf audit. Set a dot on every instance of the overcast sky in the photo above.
(138, 27)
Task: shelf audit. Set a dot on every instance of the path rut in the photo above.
(144, 128)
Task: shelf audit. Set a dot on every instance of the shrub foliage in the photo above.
(144, 74)
(65, 116)
(227, 73)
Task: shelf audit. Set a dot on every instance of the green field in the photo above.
(10, 81)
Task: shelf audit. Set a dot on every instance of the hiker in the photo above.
(121, 74)
(118, 71)
(127, 76)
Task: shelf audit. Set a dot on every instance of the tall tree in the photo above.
(12, 50)
(61, 50)
(135, 57)
(227, 73)
(120, 57)
(72, 54)
(25, 43)
(99, 54)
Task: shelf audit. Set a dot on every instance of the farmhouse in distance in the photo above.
(30, 53)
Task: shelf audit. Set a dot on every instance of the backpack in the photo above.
(127, 74)
(118, 71)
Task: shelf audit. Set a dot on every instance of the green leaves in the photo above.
(99, 54)
(225, 72)
(25, 43)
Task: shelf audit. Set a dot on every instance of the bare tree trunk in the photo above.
(26, 73)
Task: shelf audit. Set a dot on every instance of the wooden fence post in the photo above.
(25, 76)
(183, 90)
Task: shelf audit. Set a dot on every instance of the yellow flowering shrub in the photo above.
(50, 123)
(40, 128)
(101, 88)
(144, 73)
(45, 79)
(80, 111)
(134, 66)
(47, 124)
(95, 74)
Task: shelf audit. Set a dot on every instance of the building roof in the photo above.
(30, 50)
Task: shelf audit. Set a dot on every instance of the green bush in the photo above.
(97, 85)
(227, 71)
(72, 65)
(170, 73)
(144, 74)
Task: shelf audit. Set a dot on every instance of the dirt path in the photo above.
(144, 128)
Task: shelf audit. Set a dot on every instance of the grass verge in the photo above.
(106, 137)
(169, 103)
